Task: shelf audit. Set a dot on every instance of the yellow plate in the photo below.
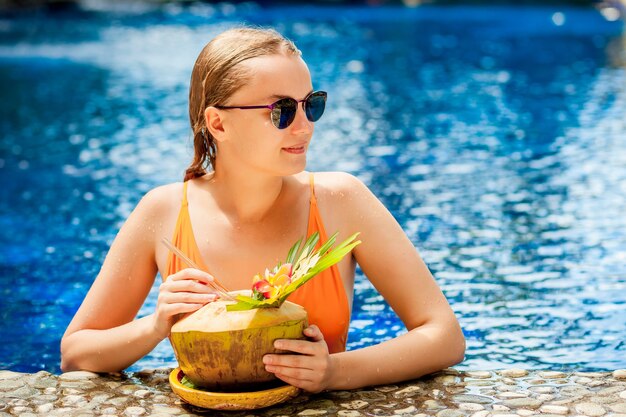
(230, 400)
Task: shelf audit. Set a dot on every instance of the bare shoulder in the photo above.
(161, 200)
(163, 194)
(341, 190)
(334, 183)
(344, 198)
(153, 218)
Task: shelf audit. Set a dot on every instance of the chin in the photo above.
(292, 169)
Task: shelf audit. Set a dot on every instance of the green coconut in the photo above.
(223, 350)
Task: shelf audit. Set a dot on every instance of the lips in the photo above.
(296, 148)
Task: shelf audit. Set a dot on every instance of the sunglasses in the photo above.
(283, 111)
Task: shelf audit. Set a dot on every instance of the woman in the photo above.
(253, 205)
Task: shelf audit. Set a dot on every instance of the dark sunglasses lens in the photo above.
(284, 112)
(315, 105)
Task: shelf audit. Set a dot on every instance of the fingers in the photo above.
(171, 310)
(310, 355)
(306, 372)
(187, 285)
(186, 297)
(314, 333)
(183, 292)
(302, 375)
(167, 314)
(193, 274)
(310, 386)
(310, 368)
(187, 291)
(293, 381)
(305, 347)
(288, 361)
(184, 284)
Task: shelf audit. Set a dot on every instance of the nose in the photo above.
(301, 125)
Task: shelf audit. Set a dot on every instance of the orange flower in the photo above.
(272, 283)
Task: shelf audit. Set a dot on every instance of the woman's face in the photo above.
(249, 137)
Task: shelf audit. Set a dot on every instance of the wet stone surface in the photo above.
(450, 393)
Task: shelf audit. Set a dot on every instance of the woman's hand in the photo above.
(183, 292)
(312, 369)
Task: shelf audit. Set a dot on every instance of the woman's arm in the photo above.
(103, 337)
(389, 259)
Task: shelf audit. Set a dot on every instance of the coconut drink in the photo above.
(223, 350)
(221, 345)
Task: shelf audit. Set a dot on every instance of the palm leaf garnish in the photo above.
(302, 264)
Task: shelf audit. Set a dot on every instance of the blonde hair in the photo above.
(217, 75)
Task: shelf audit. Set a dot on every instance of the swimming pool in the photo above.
(496, 136)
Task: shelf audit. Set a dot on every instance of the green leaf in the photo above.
(187, 383)
(325, 262)
(247, 303)
(291, 256)
(327, 258)
(330, 242)
(256, 295)
(308, 247)
(242, 304)
(334, 257)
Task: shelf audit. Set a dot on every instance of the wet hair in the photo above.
(217, 75)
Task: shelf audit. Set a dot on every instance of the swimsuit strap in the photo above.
(312, 183)
(184, 202)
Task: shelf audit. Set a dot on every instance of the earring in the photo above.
(203, 131)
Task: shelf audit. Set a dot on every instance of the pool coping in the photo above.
(449, 393)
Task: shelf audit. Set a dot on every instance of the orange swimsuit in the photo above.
(323, 297)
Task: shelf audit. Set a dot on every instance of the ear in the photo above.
(215, 123)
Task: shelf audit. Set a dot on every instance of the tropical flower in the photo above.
(272, 288)
(270, 285)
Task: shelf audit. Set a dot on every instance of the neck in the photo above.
(246, 197)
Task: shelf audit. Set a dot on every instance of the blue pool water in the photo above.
(496, 136)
